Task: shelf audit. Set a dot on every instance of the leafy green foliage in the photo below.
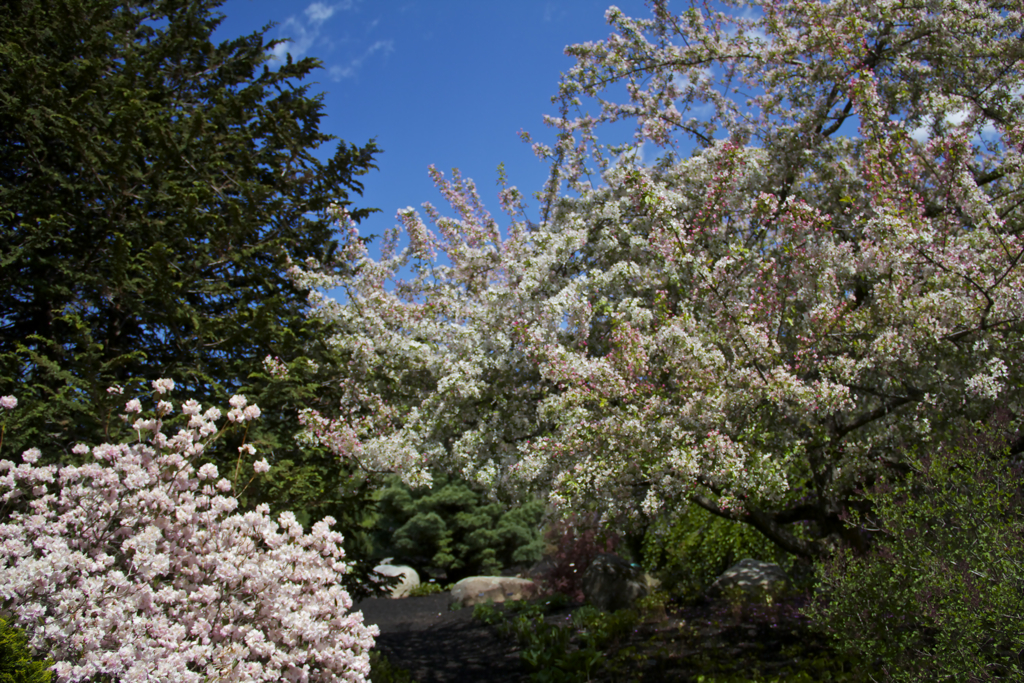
(452, 529)
(17, 665)
(771, 644)
(383, 671)
(546, 650)
(941, 594)
(689, 550)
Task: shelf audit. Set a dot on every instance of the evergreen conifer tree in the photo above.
(155, 187)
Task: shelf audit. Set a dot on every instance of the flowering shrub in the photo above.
(139, 567)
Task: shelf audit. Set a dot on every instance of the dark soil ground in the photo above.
(440, 646)
(708, 638)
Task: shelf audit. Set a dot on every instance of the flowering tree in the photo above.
(137, 567)
(823, 268)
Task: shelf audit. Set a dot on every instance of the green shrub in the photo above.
(690, 549)
(17, 665)
(451, 529)
(940, 596)
(383, 671)
(425, 589)
(545, 648)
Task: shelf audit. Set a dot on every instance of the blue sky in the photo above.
(443, 82)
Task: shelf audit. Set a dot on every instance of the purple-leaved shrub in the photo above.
(575, 543)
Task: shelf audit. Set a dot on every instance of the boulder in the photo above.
(750, 581)
(542, 569)
(476, 590)
(410, 579)
(611, 583)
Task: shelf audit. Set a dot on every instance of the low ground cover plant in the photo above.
(673, 641)
(427, 588)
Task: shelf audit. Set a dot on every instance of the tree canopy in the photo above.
(155, 187)
(822, 270)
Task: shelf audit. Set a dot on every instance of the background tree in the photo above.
(824, 269)
(452, 530)
(155, 187)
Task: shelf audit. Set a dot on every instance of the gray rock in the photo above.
(750, 581)
(610, 583)
(542, 568)
(410, 579)
(476, 590)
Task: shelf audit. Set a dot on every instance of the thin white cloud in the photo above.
(304, 30)
(953, 119)
(318, 12)
(349, 70)
(299, 40)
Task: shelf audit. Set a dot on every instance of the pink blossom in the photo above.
(162, 386)
(207, 471)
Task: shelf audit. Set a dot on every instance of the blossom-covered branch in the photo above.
(814, 278)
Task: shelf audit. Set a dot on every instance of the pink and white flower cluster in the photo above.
(139, 567)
